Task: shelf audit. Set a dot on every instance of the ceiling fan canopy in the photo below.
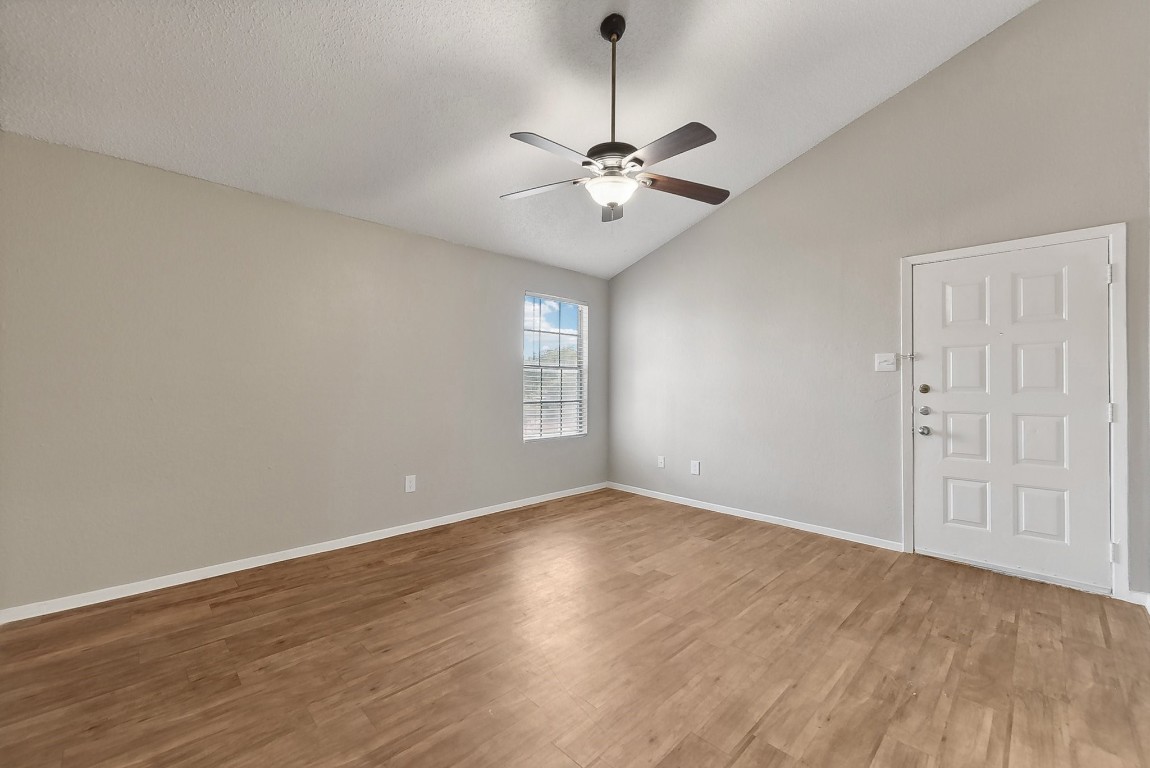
(617, 168)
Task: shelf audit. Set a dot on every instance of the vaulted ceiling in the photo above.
(398, 111)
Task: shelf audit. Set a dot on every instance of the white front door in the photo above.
(1013, 350)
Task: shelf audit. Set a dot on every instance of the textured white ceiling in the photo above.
(398, 111)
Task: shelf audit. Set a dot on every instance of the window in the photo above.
(554, 367)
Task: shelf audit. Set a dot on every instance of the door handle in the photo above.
(924, 431)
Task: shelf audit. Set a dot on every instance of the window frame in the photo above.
(584, 340)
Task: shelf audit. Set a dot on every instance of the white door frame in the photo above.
(1115, 234)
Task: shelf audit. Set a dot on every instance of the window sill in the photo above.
(528, 440)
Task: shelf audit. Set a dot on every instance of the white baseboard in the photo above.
(1138, 598)
(148, 585)
(1133, 596)
(809, 527)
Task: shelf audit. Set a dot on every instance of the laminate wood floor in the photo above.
(604, 630)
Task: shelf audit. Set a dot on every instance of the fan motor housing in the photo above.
(610, 149)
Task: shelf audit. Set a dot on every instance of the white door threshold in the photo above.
(1017, 572)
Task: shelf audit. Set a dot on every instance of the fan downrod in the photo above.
(613, 27)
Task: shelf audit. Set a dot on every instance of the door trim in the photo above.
(1115, 234)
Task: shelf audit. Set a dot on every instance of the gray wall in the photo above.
(747, 341)
(190, 374)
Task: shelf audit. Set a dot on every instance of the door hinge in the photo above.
(1110, 274)
(1110, 413)
(1114, 552)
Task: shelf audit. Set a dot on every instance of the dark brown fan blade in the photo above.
(691, 189)
(544, 188)
(536, 140)
(612, 214)
(674, 143)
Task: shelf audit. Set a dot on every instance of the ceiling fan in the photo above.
(618, 168)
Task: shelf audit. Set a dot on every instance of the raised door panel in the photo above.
(967, 503)
(1040, 297)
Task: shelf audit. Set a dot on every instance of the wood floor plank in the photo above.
(1039, 734)
(599, 631)
(931, 680)
(693, 752)
(976, 736)
(759, 754)
(892, 753)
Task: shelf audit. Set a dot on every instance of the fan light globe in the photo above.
(612, 189)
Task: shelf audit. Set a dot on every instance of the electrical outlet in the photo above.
(696, 467)
(661, 462)
(409, 484)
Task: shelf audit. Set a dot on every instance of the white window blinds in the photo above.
(554, 367)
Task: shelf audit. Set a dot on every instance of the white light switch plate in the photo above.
(661, 462)
(695, 467)
(886, 362)
(409, 484)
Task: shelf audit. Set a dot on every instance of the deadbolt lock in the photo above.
(924, 431)
(925, 410)
(924, 388)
